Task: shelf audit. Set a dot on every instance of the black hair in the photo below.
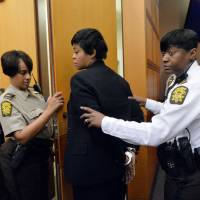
(90, 39)
(180, 38)
(10, 61)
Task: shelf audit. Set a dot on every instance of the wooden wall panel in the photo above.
(17, 31)
(137, 189)
(152, 44)
(153, 75)
(142, 69)
(149, 6)
(134, 45)
(153, 12)
(149, 39)
(70, 16)
(150, 83)
(67, 18)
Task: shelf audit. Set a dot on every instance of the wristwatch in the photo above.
(129, 154)
(131, 149)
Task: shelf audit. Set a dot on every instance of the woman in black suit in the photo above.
(95, 163)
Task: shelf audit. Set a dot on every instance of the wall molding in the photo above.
(152, 65)
(152, 24)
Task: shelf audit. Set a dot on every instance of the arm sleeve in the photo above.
(153, 106)
(13, 123)
(169, 123)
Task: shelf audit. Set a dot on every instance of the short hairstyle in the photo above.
(10, 62)
(181, 38)
(90, 39)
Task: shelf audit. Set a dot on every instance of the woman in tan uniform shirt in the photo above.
(24, 115)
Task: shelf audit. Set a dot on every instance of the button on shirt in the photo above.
(171, 119)
(26, 106)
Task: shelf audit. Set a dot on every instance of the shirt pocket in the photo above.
(35, 113)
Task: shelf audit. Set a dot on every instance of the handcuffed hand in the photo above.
(130, 169)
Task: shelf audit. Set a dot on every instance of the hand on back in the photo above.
(140, 100)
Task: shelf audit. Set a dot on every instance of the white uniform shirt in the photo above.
(171, 121)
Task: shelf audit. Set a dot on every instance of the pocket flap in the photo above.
(35, 113)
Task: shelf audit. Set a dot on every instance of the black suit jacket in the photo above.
(91, 156)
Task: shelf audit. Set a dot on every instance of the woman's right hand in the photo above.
(55, 102)
(140, 100)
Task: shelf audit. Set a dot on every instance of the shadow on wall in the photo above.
(192, 20)
(2, 91)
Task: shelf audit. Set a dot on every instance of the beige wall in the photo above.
(172, 14)
(134, 45)
(17, 30)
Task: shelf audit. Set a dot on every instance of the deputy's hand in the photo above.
(55, 102)
(130, 170)
(92, 117)
(140, 100)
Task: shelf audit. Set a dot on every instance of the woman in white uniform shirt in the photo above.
(177, 122)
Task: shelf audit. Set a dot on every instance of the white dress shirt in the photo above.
(170, 121)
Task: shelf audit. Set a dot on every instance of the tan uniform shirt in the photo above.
(19, 108)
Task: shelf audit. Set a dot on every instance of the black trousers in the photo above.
(115, 190)
(32, 176)
(4, 194)
(183, 188)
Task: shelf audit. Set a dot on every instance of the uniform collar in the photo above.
(15, 91)
(186, 72)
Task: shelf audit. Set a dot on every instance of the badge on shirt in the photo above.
(178, 95)
(171, 80)
(6, 108)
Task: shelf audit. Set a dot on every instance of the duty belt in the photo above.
(177, 160)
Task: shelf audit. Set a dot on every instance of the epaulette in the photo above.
(32, 91)
(8, 96)
(35, 92)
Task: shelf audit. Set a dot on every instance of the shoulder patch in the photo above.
(6, 108)
(178, 95)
